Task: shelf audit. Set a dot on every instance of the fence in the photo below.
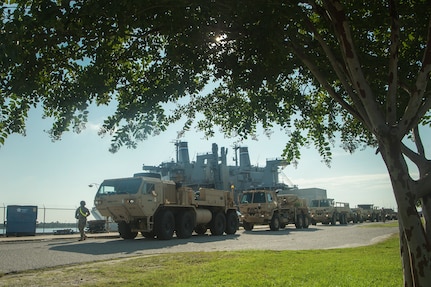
(48, 218)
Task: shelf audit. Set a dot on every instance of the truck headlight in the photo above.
(129, 201)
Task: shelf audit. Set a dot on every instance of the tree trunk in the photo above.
(426, 214)
(415, 247)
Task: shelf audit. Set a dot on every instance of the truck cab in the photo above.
(323, 210)
(259, 207)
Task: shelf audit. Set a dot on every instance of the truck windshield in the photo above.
(322, 203)
(120, 186)
(259, 197)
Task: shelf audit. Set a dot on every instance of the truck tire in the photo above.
(343, 219)
(334, 219)
(275, 222)
(185, 225)
(125, 230)
(165, 224)
(299, 223)
(306, 221)
(218, 224)
(247, 226)
(232, 222)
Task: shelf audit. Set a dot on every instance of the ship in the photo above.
(211, 170)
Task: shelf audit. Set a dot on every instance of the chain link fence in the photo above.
(48, 219)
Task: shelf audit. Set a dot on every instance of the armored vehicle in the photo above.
(345, 214)
(261, 207)
(370, 212)
(158, 208)
(359, 215)
(327, 211)
(389, 214)
(323, 210)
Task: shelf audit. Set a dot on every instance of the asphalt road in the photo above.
(51, 251)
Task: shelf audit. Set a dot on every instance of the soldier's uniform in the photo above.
(81, 214)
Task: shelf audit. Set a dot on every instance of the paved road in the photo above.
(54, 251)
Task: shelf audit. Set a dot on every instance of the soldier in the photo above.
(81, 214)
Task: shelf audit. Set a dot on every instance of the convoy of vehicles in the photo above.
(159, 208)
(266, 207)
(183, 197)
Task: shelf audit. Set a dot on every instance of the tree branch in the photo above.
(391, 109)
(419, 102)
(423, 187)
(324, 82)
(418, 141)
(342, 31)
(338, 68)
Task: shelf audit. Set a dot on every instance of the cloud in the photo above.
(345, 180)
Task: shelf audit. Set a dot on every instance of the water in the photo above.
(40, 230)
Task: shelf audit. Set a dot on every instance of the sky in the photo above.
(55, 176)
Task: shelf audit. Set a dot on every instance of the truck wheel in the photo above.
(125, 230)
(201, 229)
(334, 219)
(275, 223)
(299, 223)
(232, 222)
(306, 222)
(185, 225)
(218, 224)
(165, 225)
(247, 226)
(343, 218)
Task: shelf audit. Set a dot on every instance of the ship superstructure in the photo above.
(211, 170)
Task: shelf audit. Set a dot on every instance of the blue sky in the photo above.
(36, 171)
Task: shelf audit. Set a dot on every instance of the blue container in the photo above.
(21, 220)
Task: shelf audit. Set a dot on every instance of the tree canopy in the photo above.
(320, 69)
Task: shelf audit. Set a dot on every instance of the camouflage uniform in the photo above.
(81, 214)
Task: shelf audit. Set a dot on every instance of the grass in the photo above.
(381, 224)
(375, 265)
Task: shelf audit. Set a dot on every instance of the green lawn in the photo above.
(376, 265)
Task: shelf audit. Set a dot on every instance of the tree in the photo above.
(321, 69)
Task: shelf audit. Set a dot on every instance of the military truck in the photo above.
(344, 212)
(370, 212)
(327, 211)
(261, 207)
(158, 208)
(389, 214)
(359, 215)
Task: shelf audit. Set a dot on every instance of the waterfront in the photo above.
(42, 230)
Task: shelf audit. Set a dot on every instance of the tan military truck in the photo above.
(261, 207)
(344, 212)
(327, 211)
(370, 212)
(359, 215)
(158, 208)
